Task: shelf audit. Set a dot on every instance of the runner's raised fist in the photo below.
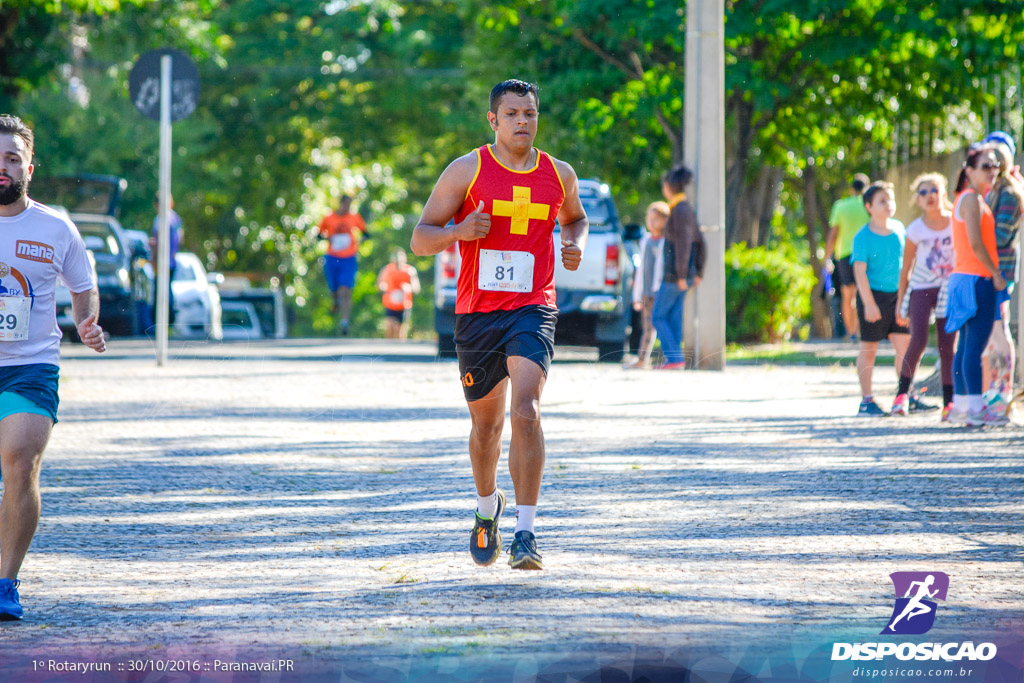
(475, 226)
(571, 255)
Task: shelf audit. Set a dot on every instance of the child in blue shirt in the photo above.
(877, 259)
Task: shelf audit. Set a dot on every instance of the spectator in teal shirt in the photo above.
(877, 258)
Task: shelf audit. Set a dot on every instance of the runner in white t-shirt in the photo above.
(37, 246)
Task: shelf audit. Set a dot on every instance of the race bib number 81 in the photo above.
(14, 316)
(505, 271)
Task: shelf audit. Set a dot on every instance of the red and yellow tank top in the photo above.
(966, 262)
(514, 266)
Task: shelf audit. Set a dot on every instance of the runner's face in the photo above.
(984, 174)
(656, 222)
(928, 201)
(15, 169)
(883, 205)
(515, 124)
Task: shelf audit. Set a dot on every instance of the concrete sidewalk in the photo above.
(316, 496)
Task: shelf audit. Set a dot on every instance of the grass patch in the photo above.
(405, 578)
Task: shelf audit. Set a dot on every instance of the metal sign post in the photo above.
(163, 279)
(164, 85)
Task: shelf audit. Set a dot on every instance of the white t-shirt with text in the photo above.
(37, 246)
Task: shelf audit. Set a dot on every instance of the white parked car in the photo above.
(197, 310)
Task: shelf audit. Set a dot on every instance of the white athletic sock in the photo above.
(976, 402)
(486, 506)
(524, 517)
(960, 403)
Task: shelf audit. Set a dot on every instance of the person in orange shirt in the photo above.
(398, 281)
(343, 231)
(973, 287)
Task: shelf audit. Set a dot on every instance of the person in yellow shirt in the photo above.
(847, 217)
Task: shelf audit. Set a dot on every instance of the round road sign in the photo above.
(144, 84)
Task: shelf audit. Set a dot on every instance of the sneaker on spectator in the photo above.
(871, 409)
(987, 417)
(918, 406)
(901, 406)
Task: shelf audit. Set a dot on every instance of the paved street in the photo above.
(315, 496)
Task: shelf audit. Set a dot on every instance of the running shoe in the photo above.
(901, 405)
(10, 604)
(485, 543)
(681, 365)
(956, 417)
(524, 553)
(987, 417)
(919, 406)
(871, 409)
(946, 412)
(981, 418)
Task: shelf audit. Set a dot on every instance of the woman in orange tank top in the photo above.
(973, 286)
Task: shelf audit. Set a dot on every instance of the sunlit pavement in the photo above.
(316, 495)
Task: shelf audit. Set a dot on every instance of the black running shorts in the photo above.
(484, 341)
(843, 275)
(880, 329)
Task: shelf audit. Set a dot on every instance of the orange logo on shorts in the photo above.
(467, 379)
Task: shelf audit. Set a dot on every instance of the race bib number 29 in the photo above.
(14, 315)
(505, 271)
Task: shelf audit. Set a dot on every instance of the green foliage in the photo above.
(38, 36)
(767, 293)
(304, 99)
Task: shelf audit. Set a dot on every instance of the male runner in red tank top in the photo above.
(505, 199)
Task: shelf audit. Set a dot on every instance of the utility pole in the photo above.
(704, 154)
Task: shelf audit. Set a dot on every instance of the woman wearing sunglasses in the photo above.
(927, 265)
(971, 308)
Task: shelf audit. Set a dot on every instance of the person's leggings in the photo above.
(973, 337)
(922, 303)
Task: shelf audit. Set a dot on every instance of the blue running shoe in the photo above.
(919, 406)
(10, 605)
(485, 543)
(871, 409)
(524, 553)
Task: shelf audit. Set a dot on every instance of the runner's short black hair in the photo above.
(514, 86)
(859, 182)
(677, 178)
(12, 125)
(876, 187)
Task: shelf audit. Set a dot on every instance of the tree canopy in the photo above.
(306, 99)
